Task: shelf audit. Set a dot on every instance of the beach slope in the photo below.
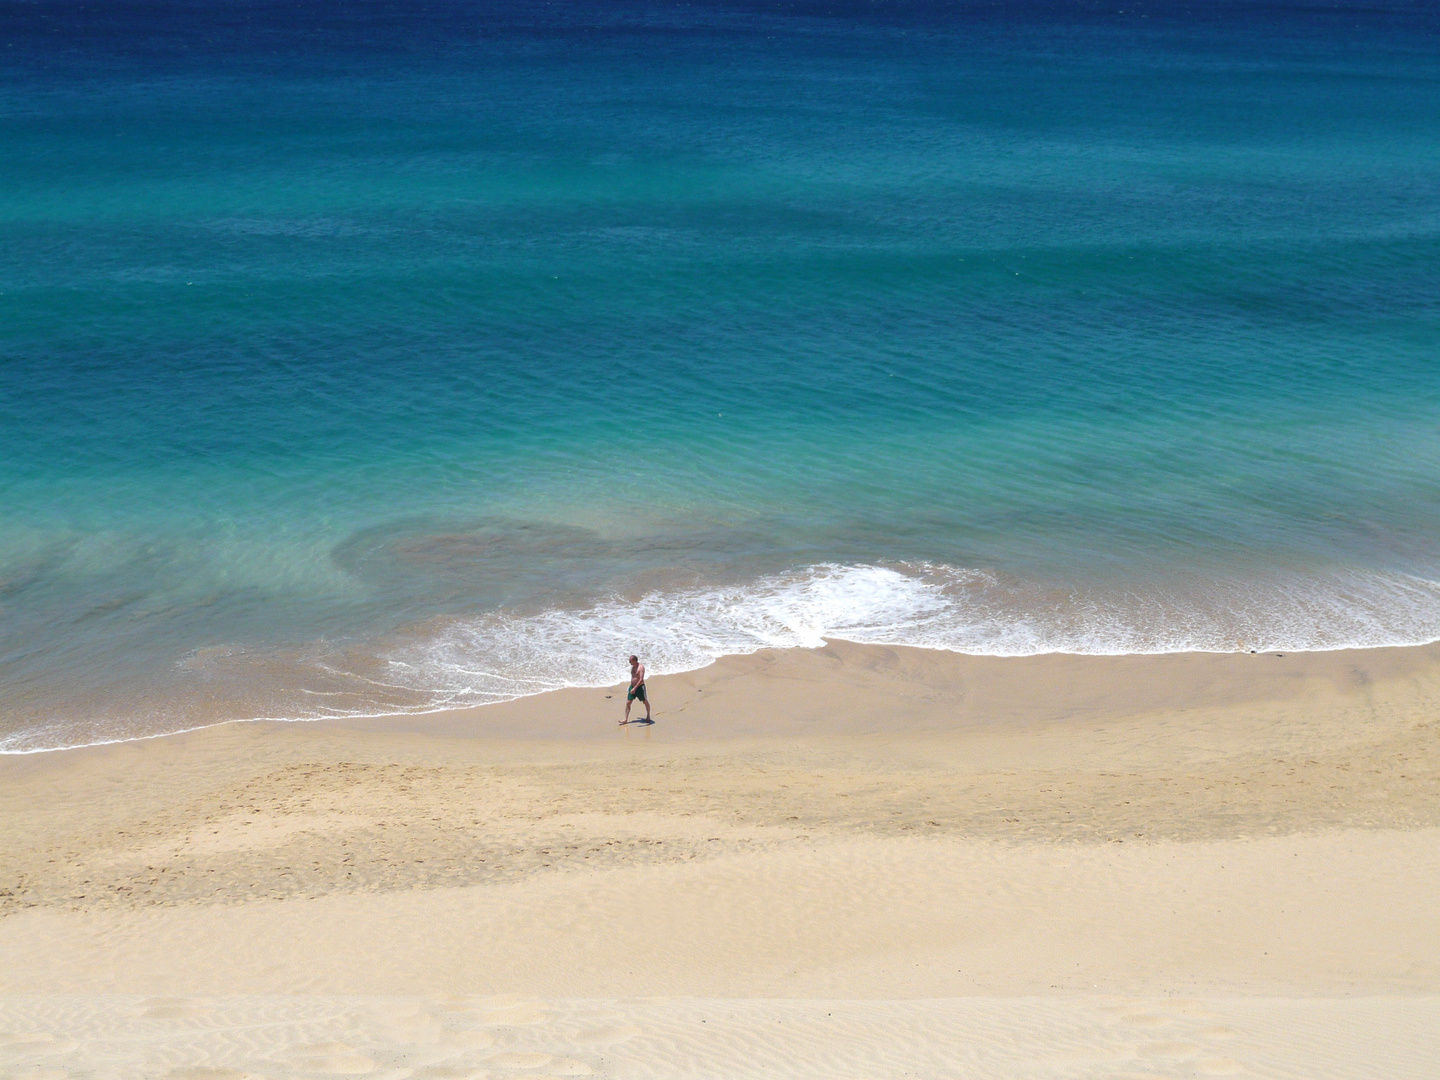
(845, 861)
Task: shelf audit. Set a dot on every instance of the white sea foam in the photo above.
(502, 656)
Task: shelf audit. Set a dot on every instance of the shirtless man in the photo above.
(637, 690)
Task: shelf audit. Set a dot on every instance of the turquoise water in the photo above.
(380, 358)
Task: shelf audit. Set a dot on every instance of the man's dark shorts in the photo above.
(638, 692)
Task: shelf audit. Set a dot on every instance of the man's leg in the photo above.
(628, 702)
(647, 703)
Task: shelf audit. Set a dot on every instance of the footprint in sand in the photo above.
(609, 1035)
(333, 1058)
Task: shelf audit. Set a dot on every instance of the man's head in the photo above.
(634, 660)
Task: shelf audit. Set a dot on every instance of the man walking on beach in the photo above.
(637, 690)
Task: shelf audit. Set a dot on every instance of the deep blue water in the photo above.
(377, 356)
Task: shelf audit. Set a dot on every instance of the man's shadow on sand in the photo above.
(643, 721)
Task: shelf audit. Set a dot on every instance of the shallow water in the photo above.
(389, 358)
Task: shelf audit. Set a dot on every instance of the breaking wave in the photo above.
(502, 656)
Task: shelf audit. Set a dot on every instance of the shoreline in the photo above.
(1391, 660)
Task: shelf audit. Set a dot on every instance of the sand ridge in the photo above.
(896, 917)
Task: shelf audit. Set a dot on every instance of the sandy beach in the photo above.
(844, 862)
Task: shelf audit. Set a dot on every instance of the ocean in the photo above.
(384, 357)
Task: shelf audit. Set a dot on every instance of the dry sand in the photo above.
(845, 862)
